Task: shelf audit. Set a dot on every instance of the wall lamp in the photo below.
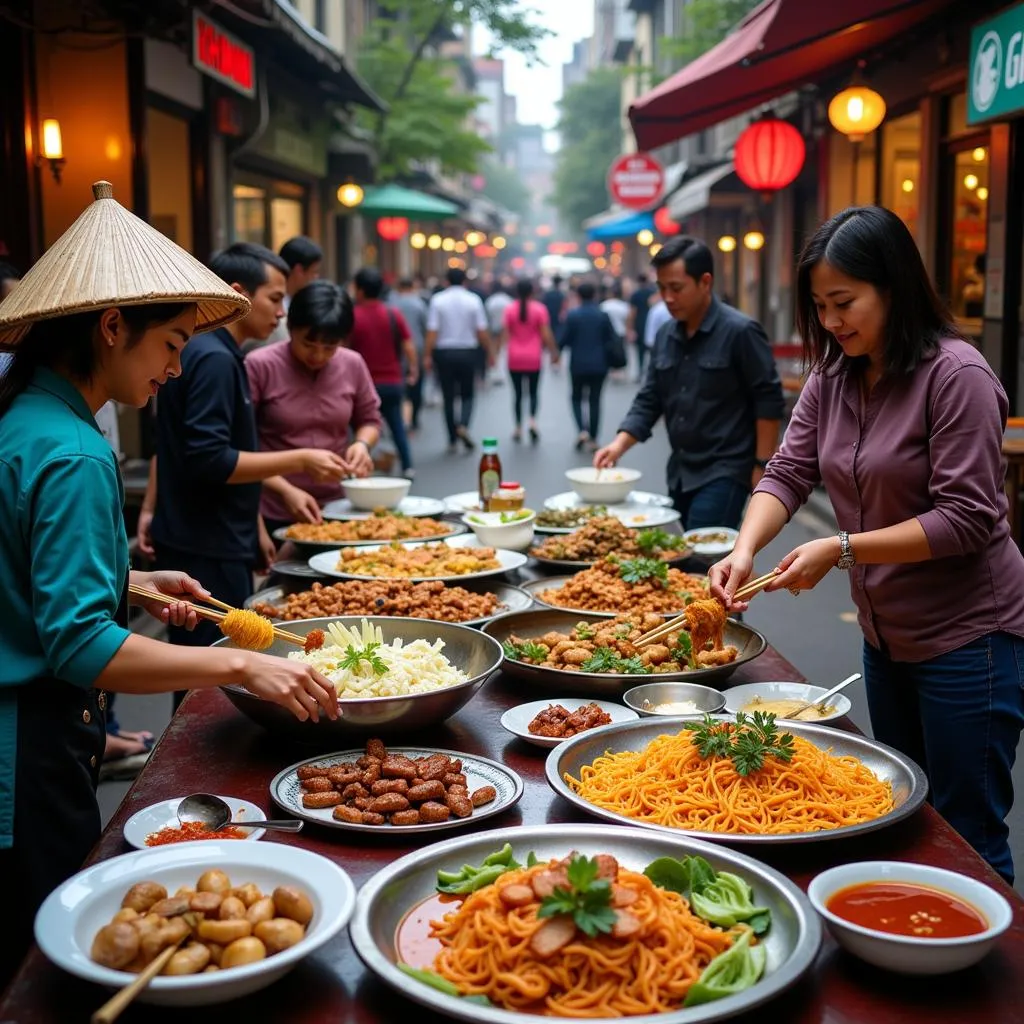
(53, 147)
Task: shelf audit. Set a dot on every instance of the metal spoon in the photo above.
(214, 813)
(824, 697)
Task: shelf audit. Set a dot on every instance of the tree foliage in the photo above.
(428, 117)
(591, 128)
(705, 24)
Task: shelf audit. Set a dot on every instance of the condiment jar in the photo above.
(509, 496)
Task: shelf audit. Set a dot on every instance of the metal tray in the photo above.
(513, 599)
(748, 640)
(534, 587)
(312, 547)
(383, 902)
(909, 785)
(572, 566)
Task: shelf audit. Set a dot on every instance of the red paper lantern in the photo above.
(391, 229)
(595, 248)
(769, 155)
(664, 223)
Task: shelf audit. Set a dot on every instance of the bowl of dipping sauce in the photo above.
(909, 918)
(781, 698)
(671, 698)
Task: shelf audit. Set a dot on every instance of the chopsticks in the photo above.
(208, 613)
(755, 586)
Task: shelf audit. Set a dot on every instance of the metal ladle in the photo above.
(214, 813)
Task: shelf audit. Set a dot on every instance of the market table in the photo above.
(211, 746)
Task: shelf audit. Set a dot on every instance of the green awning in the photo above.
(396, 201)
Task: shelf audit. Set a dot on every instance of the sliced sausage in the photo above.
(516, 895)
(554, 934)
(607, 866)
(317, 801)
(626, 925)
(623, 896)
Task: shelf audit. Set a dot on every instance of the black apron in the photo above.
(60, 742)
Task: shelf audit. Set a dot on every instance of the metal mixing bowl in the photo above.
(645, 698)
(466, 648)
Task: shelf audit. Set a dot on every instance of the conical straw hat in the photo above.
(109, 257)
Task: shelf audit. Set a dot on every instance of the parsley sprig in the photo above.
(635, 570)
(652, 540)
(747, 742)
(354, 655)
(588, 899)
(607, 659)
(526, 651)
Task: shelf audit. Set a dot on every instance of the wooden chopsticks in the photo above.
(755, 586)
(208, 613)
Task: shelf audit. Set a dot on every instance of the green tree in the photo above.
(427, 115)
(590, 125)
(504, 187)
(705, 24)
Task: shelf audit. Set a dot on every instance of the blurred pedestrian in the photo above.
(640, 305)
(713, 378)
(586, 333)
(616, 307)
(526, 333)
(305, 260)
(407, 300)
(310, 390)
(496, 303)
(381, 336)
(554, 302)
(456, 332)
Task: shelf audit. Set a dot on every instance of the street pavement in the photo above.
(816, 631)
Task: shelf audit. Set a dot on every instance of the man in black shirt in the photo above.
(205, 493)
(712, 376)
(636, 324)
(553, 301)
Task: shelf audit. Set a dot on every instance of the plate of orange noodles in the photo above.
(484, 949)
(651, 773)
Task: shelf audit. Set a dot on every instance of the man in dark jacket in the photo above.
(587, 332)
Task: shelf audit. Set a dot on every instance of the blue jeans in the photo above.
(718, 503)
(391, 398)
(959, 716)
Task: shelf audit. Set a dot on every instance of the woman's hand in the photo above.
(144, 534)
(173, 584)
(357, 456)
(728, 575)
(302, 506)
(323, 466)
(804, 567)
(268, 549)
(293, 685)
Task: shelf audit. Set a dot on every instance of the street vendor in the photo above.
(902, 421)
(104, 315)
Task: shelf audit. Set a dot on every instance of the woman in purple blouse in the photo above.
(309, 387)
(902, 422)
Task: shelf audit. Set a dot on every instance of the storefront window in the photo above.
(901, 163)
(250, 214)
(970, 217)
(268, 211)
(286, 218)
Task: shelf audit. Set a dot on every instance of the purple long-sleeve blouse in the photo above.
(925, 446)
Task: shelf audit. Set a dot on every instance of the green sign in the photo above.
(995, 85)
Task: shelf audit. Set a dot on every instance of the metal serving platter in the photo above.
(312, 547)
(383, 902)
(530, 624)
(574, 566)
(909, 785)
(410, 505)
(535, 587)
(570, 499)
(299, 571)
(511, 599)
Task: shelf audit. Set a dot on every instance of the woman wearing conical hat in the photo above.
(104, 314)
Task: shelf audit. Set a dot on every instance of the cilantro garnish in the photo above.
(635, 570)
(747, 742)
(588, 898)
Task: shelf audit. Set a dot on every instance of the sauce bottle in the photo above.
(489, 472)
(509, 497)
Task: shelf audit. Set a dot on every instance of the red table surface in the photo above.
(209, 746)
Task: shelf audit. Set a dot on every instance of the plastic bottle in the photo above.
(489, 472)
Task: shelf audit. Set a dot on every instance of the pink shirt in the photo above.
(926, 446)
(525, 343)
(296, 409)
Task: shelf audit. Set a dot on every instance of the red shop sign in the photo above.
(220, 55)
(636, 180)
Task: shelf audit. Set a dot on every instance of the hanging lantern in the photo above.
(856, 112)
(645, 236)
(595, 248)
(391, 229)
(664, 223)
(769, 154)
(350, 194)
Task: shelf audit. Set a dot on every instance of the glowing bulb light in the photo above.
(418, 240)
(908, 185)
(498, 242)
(645, 237)
(979, 154)
(448, 244)
(970, 182)
(434, 242)
(727, 243)
(350, 195)
(753, 240)
(856, 112)
(982, 193)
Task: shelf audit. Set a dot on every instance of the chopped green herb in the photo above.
(604, 659)
(584, 631)
(747, 742)
(587, 900)
(525, 651)
(354, 655)
(683, 650)
(652, 540)
(636, 570)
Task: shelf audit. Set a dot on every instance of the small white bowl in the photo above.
(516, 535)
(602, 486)
(517, 720)
(72, 914)
(907, 954)
(738, 696)
(376, 491)
(165, 815)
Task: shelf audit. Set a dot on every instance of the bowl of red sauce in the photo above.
(910, 918)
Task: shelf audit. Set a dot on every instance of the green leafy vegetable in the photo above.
(526, 651)
(607, 659)
(634, 666)
(472, 877)
(514, 517)
(636, 570)
(433, 979)
(683, 650)
(354, 655)
(651, 540)
(587, 900)
(669, 873)
(748, 742)
(584, 631)
(730, 972)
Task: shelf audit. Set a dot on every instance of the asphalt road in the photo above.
(816, 631)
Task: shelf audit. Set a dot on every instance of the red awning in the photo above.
(780, 45)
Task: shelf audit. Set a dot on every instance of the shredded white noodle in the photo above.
(353, 659)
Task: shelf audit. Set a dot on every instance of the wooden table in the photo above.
(209, 745)
(1013, 451)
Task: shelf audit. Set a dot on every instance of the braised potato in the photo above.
(261, 910)
(193, 959)
(115, 945)
(231, 908)
(143, 895)
(214, 880)
(280, 933)
(243, 951)
(224, 932)
(293, 903)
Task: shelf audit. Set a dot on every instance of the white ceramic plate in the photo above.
(311, 546)
(712, 544)
(73, 913)
(517, 720)
(738, 696)
(570, 499)
(634, 514)
(408, 506)
(466, 501)
(326, 563)
(479, 771)
(165, 815)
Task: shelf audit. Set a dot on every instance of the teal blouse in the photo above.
(63, 554)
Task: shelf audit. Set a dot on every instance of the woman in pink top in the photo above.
(527, 331)
(902, 421)
(310, 387)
